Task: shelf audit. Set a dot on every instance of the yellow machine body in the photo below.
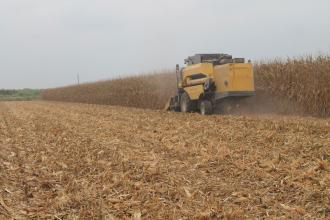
(209, 79)
(228, 78)
(236, 77)
(194, 92)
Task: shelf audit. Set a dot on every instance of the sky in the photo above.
(47, 43)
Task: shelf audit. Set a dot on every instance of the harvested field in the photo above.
(79, 161)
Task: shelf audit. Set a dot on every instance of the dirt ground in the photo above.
(79, 161)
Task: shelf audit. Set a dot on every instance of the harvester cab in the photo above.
(209, 79)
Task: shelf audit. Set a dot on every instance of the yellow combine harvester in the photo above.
(208, 80)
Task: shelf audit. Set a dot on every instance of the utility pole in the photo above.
(78, 80)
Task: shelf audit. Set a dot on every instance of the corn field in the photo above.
(144, 91)
(300, 85)
(303, 81)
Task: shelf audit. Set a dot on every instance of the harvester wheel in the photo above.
(206, 107)
(186, 105)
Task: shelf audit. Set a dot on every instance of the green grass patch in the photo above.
(19, 95)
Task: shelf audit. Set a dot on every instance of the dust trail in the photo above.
(262, 103)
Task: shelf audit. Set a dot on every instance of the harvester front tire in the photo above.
(206, 107)
(186, 104)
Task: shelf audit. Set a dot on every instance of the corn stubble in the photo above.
(77, 161)
(294, 86)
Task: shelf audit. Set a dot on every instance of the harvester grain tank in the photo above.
(208, 80)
